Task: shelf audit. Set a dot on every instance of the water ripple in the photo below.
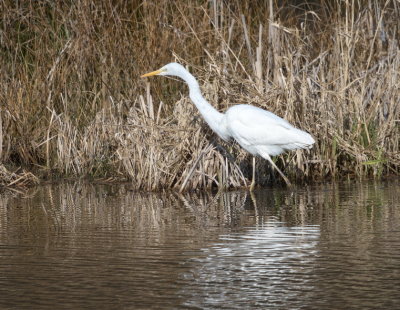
(327, 247)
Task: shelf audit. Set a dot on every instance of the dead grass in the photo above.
(72, 102)
(17, 178)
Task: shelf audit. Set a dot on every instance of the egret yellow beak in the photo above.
(151, 73)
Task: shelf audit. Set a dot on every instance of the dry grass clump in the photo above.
(151, 150)
(17, 178)
(72, 102)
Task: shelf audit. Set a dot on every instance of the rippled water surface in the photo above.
(79, 246)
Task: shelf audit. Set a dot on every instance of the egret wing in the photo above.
(250, 125)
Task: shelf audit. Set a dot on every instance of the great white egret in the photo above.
(258, 131)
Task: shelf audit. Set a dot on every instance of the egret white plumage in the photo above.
(259, 132)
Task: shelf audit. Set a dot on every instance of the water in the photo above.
(79, 246)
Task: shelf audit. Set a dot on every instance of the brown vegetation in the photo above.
(72, 102)
(16, 178)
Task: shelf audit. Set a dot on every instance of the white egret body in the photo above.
(259, 132)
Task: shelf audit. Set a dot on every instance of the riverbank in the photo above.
(73, 104)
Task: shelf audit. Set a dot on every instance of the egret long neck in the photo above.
(213, 118)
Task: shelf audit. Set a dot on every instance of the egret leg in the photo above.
(253, 181)
(253, 198)
(267, 157)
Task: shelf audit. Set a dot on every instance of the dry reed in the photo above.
(17, 178)
(72, 102)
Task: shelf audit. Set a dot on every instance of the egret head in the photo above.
(172, 68)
